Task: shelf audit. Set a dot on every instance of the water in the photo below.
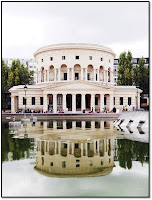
(74, 159)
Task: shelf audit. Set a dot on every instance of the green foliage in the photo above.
(141, 76)
(125, 73)
(5, 72)
(19, 75)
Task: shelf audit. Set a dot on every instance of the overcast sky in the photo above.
(27, 26)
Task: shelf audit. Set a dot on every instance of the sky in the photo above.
(121, 26)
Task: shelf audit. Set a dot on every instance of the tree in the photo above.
(141, 76)
(5, 72)
(125, 69)
(19, 75)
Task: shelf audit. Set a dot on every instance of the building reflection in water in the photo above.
(69, 158)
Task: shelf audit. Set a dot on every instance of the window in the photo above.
(90, 57)
(77, 160)
(101, 59)
(114, 101)
(59, 100)
(109, 160)
(88, 76)
(121, 100)
(42, 60)
(42, 160)
(77, 165)
(24, 101)
(129, 101)
(115, 61)
(65, 146)
(31, 66)
(101, 162)
(76, 146)
(51, 164)
(50, 100)
(77, 57)
(33, 100)
(51, 58)
(41, 100)
(105, 101)
(96, 100)
(63, 57)
(63, 164)
(41, 123)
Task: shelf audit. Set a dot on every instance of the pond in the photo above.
(74, 158)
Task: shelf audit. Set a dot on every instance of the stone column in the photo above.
(104, 76)
(73, 103)
(83, 125)
(68, 148)
(12, 104)
(44, 75)
(59, 147)
(98, 147)
(54, 103)
(54, 74)
(48, 76)
(92, 125)
(54, 124)
(97, 74)
(85, 74)
(72, 149)
(101, 125)
(94, 145)
(111, 102)
(68, 73)
(72, 71)
(86, 149)
(73, 125)
(55, 147)
(81, 73)
(40, 76)
(64, 101)
(81, 149)
(101, 101)
(83, 106)
(93, 102)
(45, 106)
(59, 76)
(45, 125)
(64, 124)
(94, 75)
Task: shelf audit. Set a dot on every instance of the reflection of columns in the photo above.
(105, 145)
(64, 124)
(74, 125)
(48, 75)
(72, 71)
(68, 72)
(98, 147)
(93, 102)
(54, 74)
(83, 125)
(59, 147)
(85, 74)
(55, 147)
(81, 149)
(44, 75)
(64, 101)
(111, 102)
(111, 125)
(86, 149)
(54, 103)
(101, 101)
(97, 74)
(83, 102)
(45, 108)
(92, 125)
(72, 149)
(94, 147)
(94, 75)
(59, 74)
(73, 103)
(81, 73)
(54, 124)
(12, 104)
(45, 125)
(68, 148)
(101, 125)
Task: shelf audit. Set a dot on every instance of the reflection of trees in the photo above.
(131, 150)
(14, 145)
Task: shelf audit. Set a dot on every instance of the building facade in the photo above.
(74, 77)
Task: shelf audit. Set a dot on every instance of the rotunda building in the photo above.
(74, 78)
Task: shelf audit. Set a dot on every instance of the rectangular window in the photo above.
(51, 58)
(121, 100)
(129, 101)
(77, 160)
(33, 100)
(101, 59)
(63, 57)
(24, 101)
(59, 100)
(96, 100)
(76, 146)
(41, 100)
(105, 101)
(90, 57)
(63, 164)
(51, 164)
(50, 100)
(42, 60)
(77, 165)
(114, 101)
(77, 57)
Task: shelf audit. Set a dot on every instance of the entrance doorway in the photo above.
(76, 76)
(50, 106)
(69, 102)
(78, 101)
(65, 76)
(87, 99)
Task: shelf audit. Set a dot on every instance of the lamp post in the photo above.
(25, 89)
(137, 96)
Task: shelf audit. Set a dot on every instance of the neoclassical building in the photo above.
(74, 77)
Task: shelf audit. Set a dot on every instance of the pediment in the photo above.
(77, 86)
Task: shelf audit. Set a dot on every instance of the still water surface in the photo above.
(74, 158)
